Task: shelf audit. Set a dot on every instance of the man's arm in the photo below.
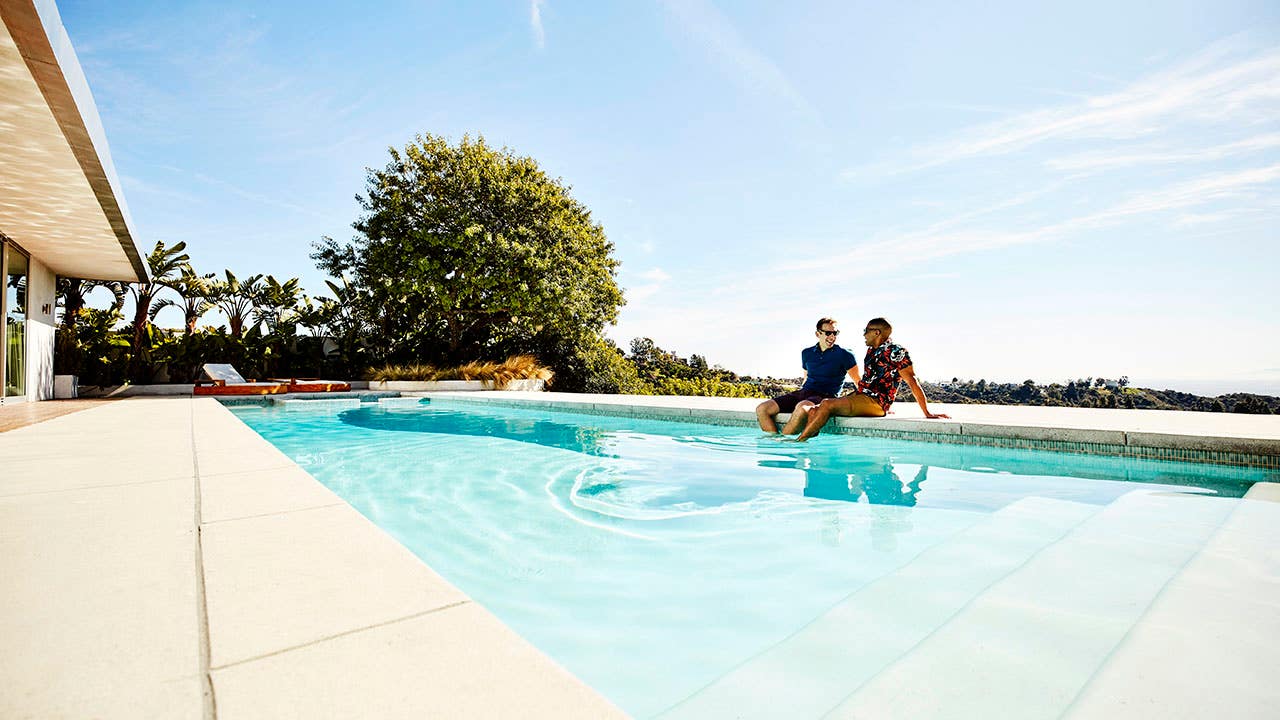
(853, 373)
(909, 375)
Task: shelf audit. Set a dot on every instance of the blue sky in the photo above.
(1024, 191)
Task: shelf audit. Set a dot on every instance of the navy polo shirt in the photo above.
(825, 370)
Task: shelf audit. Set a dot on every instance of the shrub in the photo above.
(705, 387)
(595, 365)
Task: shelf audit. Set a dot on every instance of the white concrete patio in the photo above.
(162, 560)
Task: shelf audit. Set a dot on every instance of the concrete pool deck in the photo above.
(163, 560)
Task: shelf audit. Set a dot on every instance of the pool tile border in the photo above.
(1243, 452)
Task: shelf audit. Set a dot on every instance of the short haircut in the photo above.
(881, 323)
(823, 321)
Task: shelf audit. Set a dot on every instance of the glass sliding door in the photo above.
(15, 322)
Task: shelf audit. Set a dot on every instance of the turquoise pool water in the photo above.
(689, 570)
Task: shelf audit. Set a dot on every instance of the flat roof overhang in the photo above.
(60, 198)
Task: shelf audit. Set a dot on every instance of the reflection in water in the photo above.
(848, 480)
(842, 479)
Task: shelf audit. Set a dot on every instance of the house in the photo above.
(62, 212)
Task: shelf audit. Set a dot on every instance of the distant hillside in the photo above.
(1091, 392)
(661, 372)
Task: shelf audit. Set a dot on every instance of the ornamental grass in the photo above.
(516, 367)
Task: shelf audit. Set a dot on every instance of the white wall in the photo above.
(41, 300)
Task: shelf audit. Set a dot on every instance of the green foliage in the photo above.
(707, 387)
(235, 298)
(193, 292)
(465, 251)
(664, 373)
(597, 365)
(92, 349)
(165, 266)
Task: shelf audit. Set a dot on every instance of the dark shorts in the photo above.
(788, 402)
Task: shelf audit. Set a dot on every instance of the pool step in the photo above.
(1028, 645)
(1191, 655)
(816, 668)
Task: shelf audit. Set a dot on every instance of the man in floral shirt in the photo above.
(885, 364)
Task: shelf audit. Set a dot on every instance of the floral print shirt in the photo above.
(880, 372)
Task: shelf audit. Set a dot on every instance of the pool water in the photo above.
(688, 570)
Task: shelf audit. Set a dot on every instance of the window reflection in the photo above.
(15, 322)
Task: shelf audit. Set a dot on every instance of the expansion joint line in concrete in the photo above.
(273, 514)
(210, 702)
(345, 633)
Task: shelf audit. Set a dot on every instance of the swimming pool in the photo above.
(688, 570)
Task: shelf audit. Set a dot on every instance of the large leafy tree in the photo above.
(466, 251)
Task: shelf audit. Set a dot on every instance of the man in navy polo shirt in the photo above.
(825, 366)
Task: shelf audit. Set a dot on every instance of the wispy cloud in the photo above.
(1227, 83)
(1211, 188)
(657, 275)
(749, 67)
(654, 280)
(258, 197)
(992, 228)
(535, 23)
(1098, 161)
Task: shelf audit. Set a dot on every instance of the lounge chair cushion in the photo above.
(222, 371)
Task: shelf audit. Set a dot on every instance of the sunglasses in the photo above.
(870, 330)
(832, 333)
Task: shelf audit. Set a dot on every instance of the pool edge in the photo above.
(1251, 452)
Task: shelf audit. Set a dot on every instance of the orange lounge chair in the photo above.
(222, 379)
(314, 385)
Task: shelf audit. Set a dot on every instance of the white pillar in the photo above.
(42, 298)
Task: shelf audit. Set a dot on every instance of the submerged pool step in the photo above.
(816, 668)
(1214, 626)
(326, 404)
(403, 402)
(1028, 645)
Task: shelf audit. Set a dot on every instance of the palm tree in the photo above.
(343, 312)
(275, 301)
(193, 291)
(338, 321)
(236, 298)
(73, 293)
(165, 265)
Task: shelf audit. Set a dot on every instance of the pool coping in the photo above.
(1180, 436)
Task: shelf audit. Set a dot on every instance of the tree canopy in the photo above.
(465, 251)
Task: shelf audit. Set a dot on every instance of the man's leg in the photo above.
(765, 412)
(798, 417)
(855, 405)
